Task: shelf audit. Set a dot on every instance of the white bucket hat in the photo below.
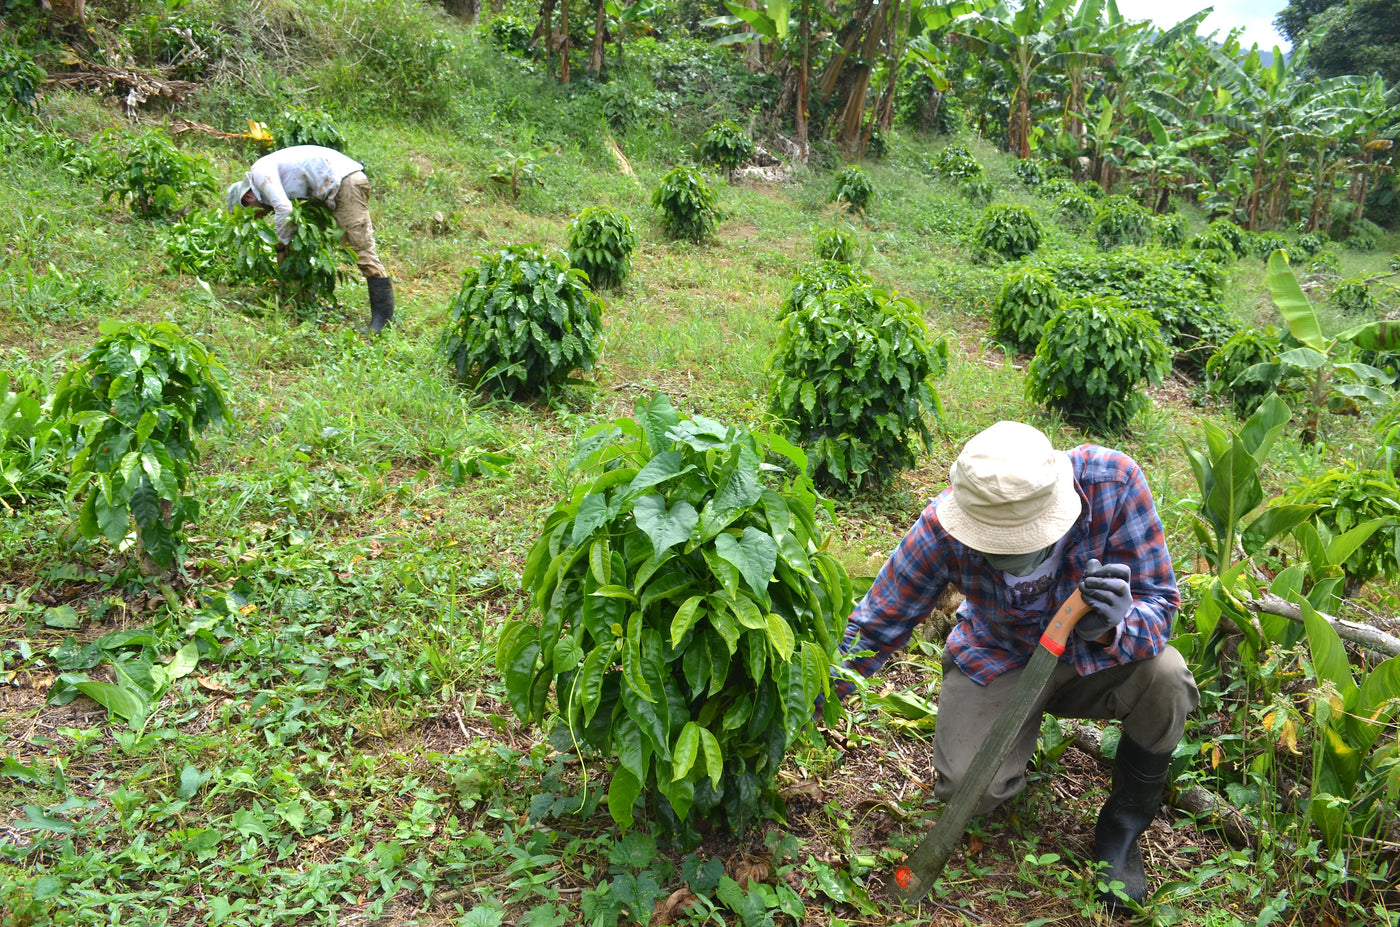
(234, 196)
(1012, 492)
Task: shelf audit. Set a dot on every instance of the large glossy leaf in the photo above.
(1274, 521)
(1376, 704)
(1328, 655)
(666, 527)
(1293, 303)
(128, 703)
(622, 795)
(1374, 336)
(754, 554)
(686, 750)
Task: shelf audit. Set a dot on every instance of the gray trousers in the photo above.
(352, 215)
(1151, 698)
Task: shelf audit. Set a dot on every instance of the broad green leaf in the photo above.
(714, 756)
(1273, 522)
(35, 818)
(600, 561)
(186, 659)
(590, 680)
(593, 513)
(1374, 336)
(632, 659)
(1376, 703)
(1293, 303)
(659, 469)
(128, 704)
(780, 636)
(754, 555)
(685, 618)
(686, 749)
(665, 527)
(622, 795)
(749, 614)
(1328, 654)
(614, 592)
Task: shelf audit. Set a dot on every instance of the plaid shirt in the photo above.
(1118, 524)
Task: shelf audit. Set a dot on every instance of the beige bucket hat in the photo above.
(1012, 492)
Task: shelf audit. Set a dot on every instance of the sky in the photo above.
(1256, 16)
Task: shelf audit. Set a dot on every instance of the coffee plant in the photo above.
(1009, 230)
(1093, 358)
(1354, 297)
(601, 242)
(198, 245)
(1233, 371)
(818, 277)
(1310, 243)
(956, 163)
(32, 445)
(20, 79)
(688, 205)
(836, 244)
(1266, 243)
(1232, 234)
(1212, 245)
(1028, 299)
(1056, 187)
(1170, 229)
(726, 145)
(156, 177)
(1032, 174)
(522, 322)
(1076, 208)
(978, 190)
(852, 372)
(136, 402)
(1325, 263)
(688, 616)
(511, 34)
(314, 260)
(298, 126)
(1350, 496)
(854, 189)
(1120, 221)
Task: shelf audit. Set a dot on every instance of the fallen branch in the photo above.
(133, 87)
(1361, 634)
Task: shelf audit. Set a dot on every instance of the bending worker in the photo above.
(310, 172)
(1020, 527)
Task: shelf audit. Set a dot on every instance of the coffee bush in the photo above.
(522, 322)
(1032, 174)
(1008, 230)
(726, 145)
(1076, 208)
(1092, 360)
(1310, 243)
(1170, 229)
(1028, 300)
(852, 373)
(688, 205)
(20, 79)
(33, 447)
(818, 277)
(1354, 297)
(154, 176)
(1233, 234)
(298, 126)
(1266, 243)
(136, 402)
(688, 618)
(1232, 373)
(836, 244)
(601, 242)
(956, 163)
(1349, 496)
(1120, 221)
(854, 189)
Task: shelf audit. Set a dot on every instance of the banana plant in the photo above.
(1331, 379)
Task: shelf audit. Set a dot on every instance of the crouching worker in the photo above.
(1020, 527)
(310, 172)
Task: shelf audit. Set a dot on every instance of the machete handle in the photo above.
(1062, 623)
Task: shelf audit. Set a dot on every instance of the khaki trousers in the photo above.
(352, 215)
(1152, 699)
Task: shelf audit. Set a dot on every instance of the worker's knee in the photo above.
(1164, 694)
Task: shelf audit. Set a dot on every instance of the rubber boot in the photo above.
(1138, 780)
(381, 303)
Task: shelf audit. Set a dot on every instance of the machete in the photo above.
(916, 876)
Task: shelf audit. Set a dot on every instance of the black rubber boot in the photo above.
(381, 303)
(1138, 779)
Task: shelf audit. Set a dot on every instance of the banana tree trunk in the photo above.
(799, 119)
(600, 39)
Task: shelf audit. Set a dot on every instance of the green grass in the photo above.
(343, 749)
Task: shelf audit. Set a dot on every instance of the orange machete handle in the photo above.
(1062, 623)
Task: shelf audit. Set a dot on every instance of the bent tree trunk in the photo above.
(466, 10)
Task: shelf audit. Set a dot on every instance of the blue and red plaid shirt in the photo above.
(1118, 524)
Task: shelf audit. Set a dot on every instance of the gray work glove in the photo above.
(1105, 588)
